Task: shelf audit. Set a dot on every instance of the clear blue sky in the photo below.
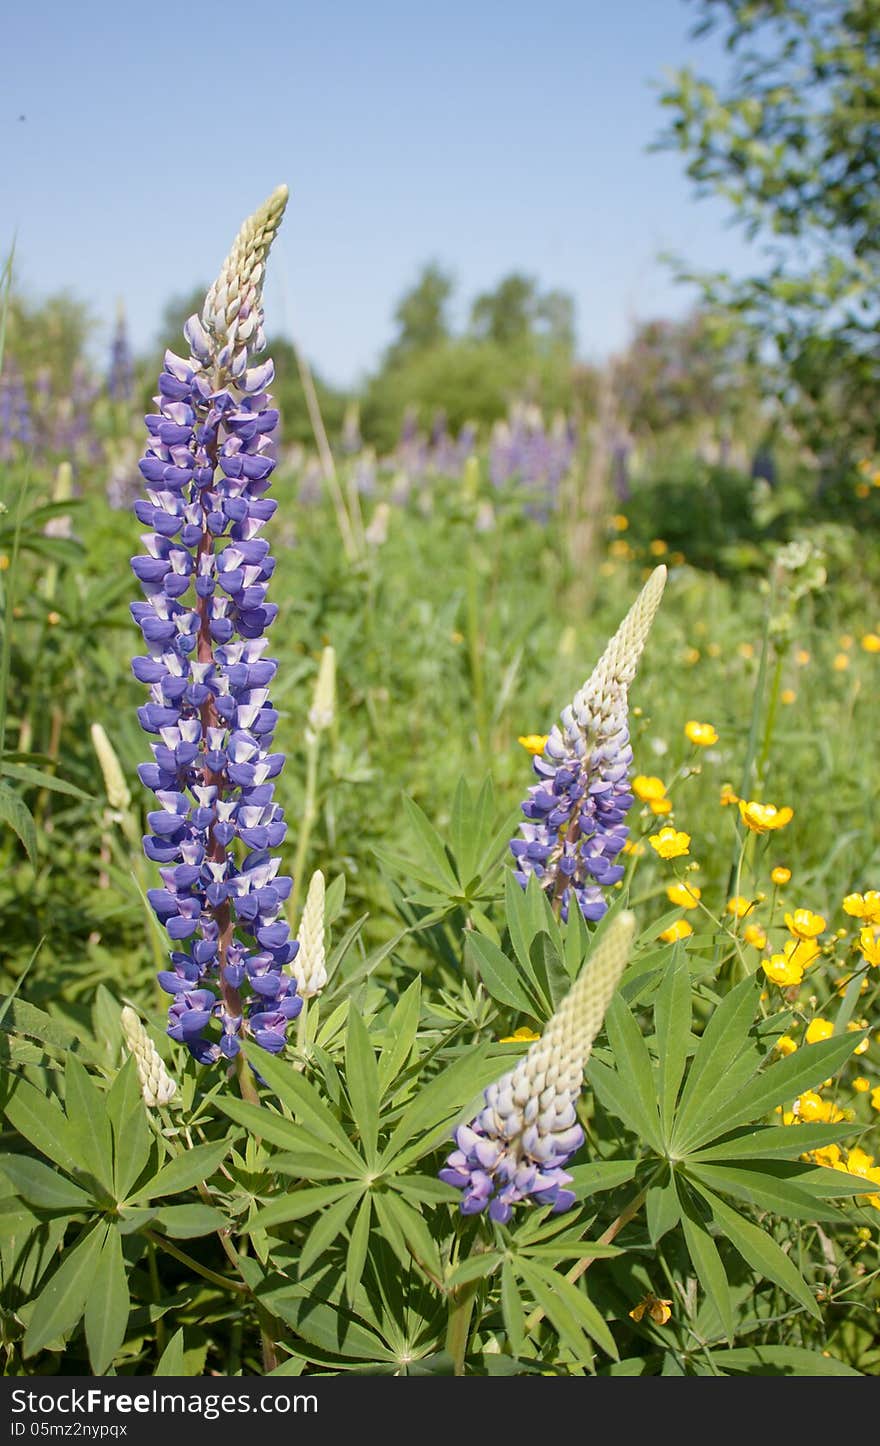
(491, 135)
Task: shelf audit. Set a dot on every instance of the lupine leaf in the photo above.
(672, 1020)
(759, 1250)
(662, 1209)
(63, 1299)
(296, 1205)
(303, 1100)
(410, 1224)
(88, 1125)
(132, 1137)
(356, 1255)
(402, 1028)
(783, 1194)
(633, 1063)
(192, 1167)
(769, 1142)
(431, 848)
(187, 1221)
(42, 1121)
(40, 1186)
(722, 1040)
(600, 1175)
(780, 1361)
(512, 1308)
(37, 778)
(436, 1106)
(327, 1227)
(708, 1264)
(108, 1305)
(17, 815)
(362, 1083)
(170, 1363)
(616, 1095)
(500, 976)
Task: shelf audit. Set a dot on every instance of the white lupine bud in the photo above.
(157, 1086)
(323, 709)
(232, 312)
(118, 795)
(309, 966)
(606, 686)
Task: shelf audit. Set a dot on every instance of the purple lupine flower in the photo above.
(205, 573)
(120, 374)
(575, 814)
(16, 424)
(528, 1130)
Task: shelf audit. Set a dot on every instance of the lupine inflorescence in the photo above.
(575, 815)
(528, 1130)
(205, 572)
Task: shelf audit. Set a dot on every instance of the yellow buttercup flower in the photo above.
(660, 1311)
(534, 742)
(802, 657)
(523, 1035)
(701, 734)
(727, 795)
(636, 848)
(818, 1029)
(875, 1098)
(657, 547)
(660, 806)
(782, 971)
(840, 662)
(804, 924)
(739, 906)
(864, 906)
(861, 1085)
(746, 650)
(785, 1045)
(764, 817)
(670, 843)
(681, 929)
(619, 522)
(871, 642)
(828, 1155)
(756, 936)
(854, 1027)
(869, 945)
(647, 787)
(812, 1109)
(788, 696)
(780, 875)
(686, 896)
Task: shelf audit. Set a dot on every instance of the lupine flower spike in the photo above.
(575, 815)
(205, 573)
(157, 1086)
(528, 1130)
(310, 966)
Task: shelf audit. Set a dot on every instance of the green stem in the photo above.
(205, 1271)
(580, 1266)
(156, 1288)
(309, 814)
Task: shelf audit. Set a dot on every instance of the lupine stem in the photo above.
(578, 1269)
(222, 1281)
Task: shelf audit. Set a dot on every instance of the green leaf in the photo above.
(62, 1301)
(356, 1255)
(108, 1305)
(759, 1250)
(431, 848)
(499, 975)
(303, 1100)
(19, 818)
(708, 1264)
(19, 1017)
(672, 1020)
(297, 1204)
(723, 1039)
(600, 1175)
(568, 1308)
(37, 778)
(616, 1095)
(633, 1063)
(43, 1187)
(772, 1142)
(88, 1125)
(662, 1209)
(409, 1223)
(186, 1221)
(512, 1308)
(781, 1361)
(132, 1137)
(783, 1191)
(267, 1124)
(42, 1121)
(194, 1166)
(783, 1081)
(362, 1082)
(436, 1106)
(402, 1028)
(327, 1227)
(170, 1363)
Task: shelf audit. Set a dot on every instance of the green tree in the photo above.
(421, 314)
(791, 140)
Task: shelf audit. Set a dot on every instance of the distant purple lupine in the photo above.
(16, 423)
(205, 574)
(120, 373)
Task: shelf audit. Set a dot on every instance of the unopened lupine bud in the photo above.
(528, 1130)
(118, 795)
(232, 313)
(323, 709)
(309, 966)
(575, 815)
(157, 1086)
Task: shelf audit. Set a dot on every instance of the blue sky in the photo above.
(490, 135)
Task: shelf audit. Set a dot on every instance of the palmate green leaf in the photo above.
(42, 1187)
(783, 1081)
(430, 1115)
(88, 1125)
(512, 1308)
(600, 1175)
(568, 1309)
(724, 1037)
(549, 970)
(15, 812)
(633, 1064)
(501, 977)
(335, 1330)
(759, 1250)
(17, 1016)
(475, 1267)
(297, 1204)
(672, 1021)
(356, 1255)
(402, 1028)
(185, 1222)
(777, 1186)
(108, 1305)
(327, 1227)
(772, 1142)
(616, 1095)
(362, 1083)
(662, 1208)
(304, 1101)
(426, 1189)
(780, 1361)
(42, 1121)
(708, 1264)
(431, 851)
(409, 1223)
(193, 1167)
(132, 1136)
(61, 1303)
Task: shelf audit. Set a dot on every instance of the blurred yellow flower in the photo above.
(690, 656)
(523, 1035)
(871, 642)
(802, 657)
(746, 650)
(828, 1155)
(812, 1109)
(701, 734)
(846, 641)
(764, 817)
(875, 1098)
(818, 1029)
(534, 742)
(785, 1045)
(619, 522)
(739, 906)
(787, 696)
(756, 936)
(804, 924)
(869, 945)
(727, 795)
(861, 1085)
(855, 1027)
(657, 547)
(864, 906)
(634, 847)
(681, 929)
(686, 896)
(670, 843)
(660, 1311)
(780, 874)
(840, 662)
(620, 548)
(647, 787)
(660, 806)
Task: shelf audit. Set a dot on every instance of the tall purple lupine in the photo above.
(120, 373)
(205, 573)
(16, 425)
